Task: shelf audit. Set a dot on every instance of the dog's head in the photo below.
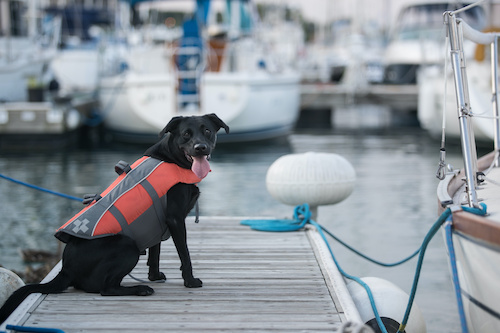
(192, 140)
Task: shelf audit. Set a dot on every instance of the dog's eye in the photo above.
(186, 134)
(208, 132)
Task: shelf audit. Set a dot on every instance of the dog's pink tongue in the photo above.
(200, 166)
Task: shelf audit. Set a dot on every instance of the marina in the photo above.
(362, 219)
(325, 139)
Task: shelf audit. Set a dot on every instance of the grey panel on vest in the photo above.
(149, 231)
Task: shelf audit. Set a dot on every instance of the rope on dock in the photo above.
(302, 216)
(33, 329)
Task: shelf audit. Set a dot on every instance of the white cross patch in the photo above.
(81, 226)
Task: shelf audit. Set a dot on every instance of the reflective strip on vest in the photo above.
(133, 205)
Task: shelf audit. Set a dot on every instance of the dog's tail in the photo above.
(57, 285)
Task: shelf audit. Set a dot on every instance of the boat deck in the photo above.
(252, 281)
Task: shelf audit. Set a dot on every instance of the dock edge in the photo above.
(20, 314)
(333, 279)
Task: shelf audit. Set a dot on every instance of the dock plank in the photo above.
(252, 281)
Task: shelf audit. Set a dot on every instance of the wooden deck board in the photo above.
(252, 281)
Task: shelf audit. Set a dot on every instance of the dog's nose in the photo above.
(200, 147)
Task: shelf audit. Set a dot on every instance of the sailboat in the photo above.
(472, 194)
(30, 116)
(197, 58)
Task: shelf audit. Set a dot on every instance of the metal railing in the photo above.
(457, 30)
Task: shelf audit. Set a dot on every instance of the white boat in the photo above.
(223, 68)
(32, 116)
(83, 33)
(24, 52)
(437, 95)
(474, 240)
(416, 40)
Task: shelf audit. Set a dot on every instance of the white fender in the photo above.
(313, 178)
(391, 304)
(9, 282)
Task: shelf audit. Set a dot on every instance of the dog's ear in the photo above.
(217, 122)
(172, 124)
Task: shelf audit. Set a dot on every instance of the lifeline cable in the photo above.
(441, 172)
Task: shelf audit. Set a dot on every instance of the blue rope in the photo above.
(456, 282)
(397, 263)
(299, 222)
(302, 216)
(354, 278)
(41, 188)
(442, 219)
(33, 329)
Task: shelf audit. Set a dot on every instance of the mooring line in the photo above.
(67, 196)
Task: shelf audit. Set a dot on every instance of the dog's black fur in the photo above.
(99, 265)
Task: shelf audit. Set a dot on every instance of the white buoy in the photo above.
(312, 178)
(391, 304)
(9, 282)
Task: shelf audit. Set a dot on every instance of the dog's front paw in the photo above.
(158, 276)
(144, 291)
(193, 283)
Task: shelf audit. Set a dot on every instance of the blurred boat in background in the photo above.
(436, 86)
(194, 58)
(83, 33)
(25, 51)
(31, 113)
(417, 39)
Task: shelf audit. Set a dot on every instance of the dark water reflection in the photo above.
(387, 216)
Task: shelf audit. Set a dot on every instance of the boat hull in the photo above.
(478, 279)
(254, 105)
(476, 241)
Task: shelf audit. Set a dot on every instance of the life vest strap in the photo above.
(122, 221)
(159, 209)
(122, 167)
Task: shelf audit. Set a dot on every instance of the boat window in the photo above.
(426, 21)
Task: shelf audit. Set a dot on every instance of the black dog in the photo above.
(98, 265)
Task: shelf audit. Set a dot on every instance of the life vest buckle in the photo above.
(122, 167)
(89, 198)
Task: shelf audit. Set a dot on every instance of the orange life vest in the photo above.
(133, 205)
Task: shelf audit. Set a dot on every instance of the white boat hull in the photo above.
(476, 241)
(76, 70)
(479, 275)
(254, 105)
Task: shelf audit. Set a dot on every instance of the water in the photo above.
(387, 216)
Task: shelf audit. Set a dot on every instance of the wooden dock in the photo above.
(252, 281)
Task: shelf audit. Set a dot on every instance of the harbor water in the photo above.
(387, 216)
